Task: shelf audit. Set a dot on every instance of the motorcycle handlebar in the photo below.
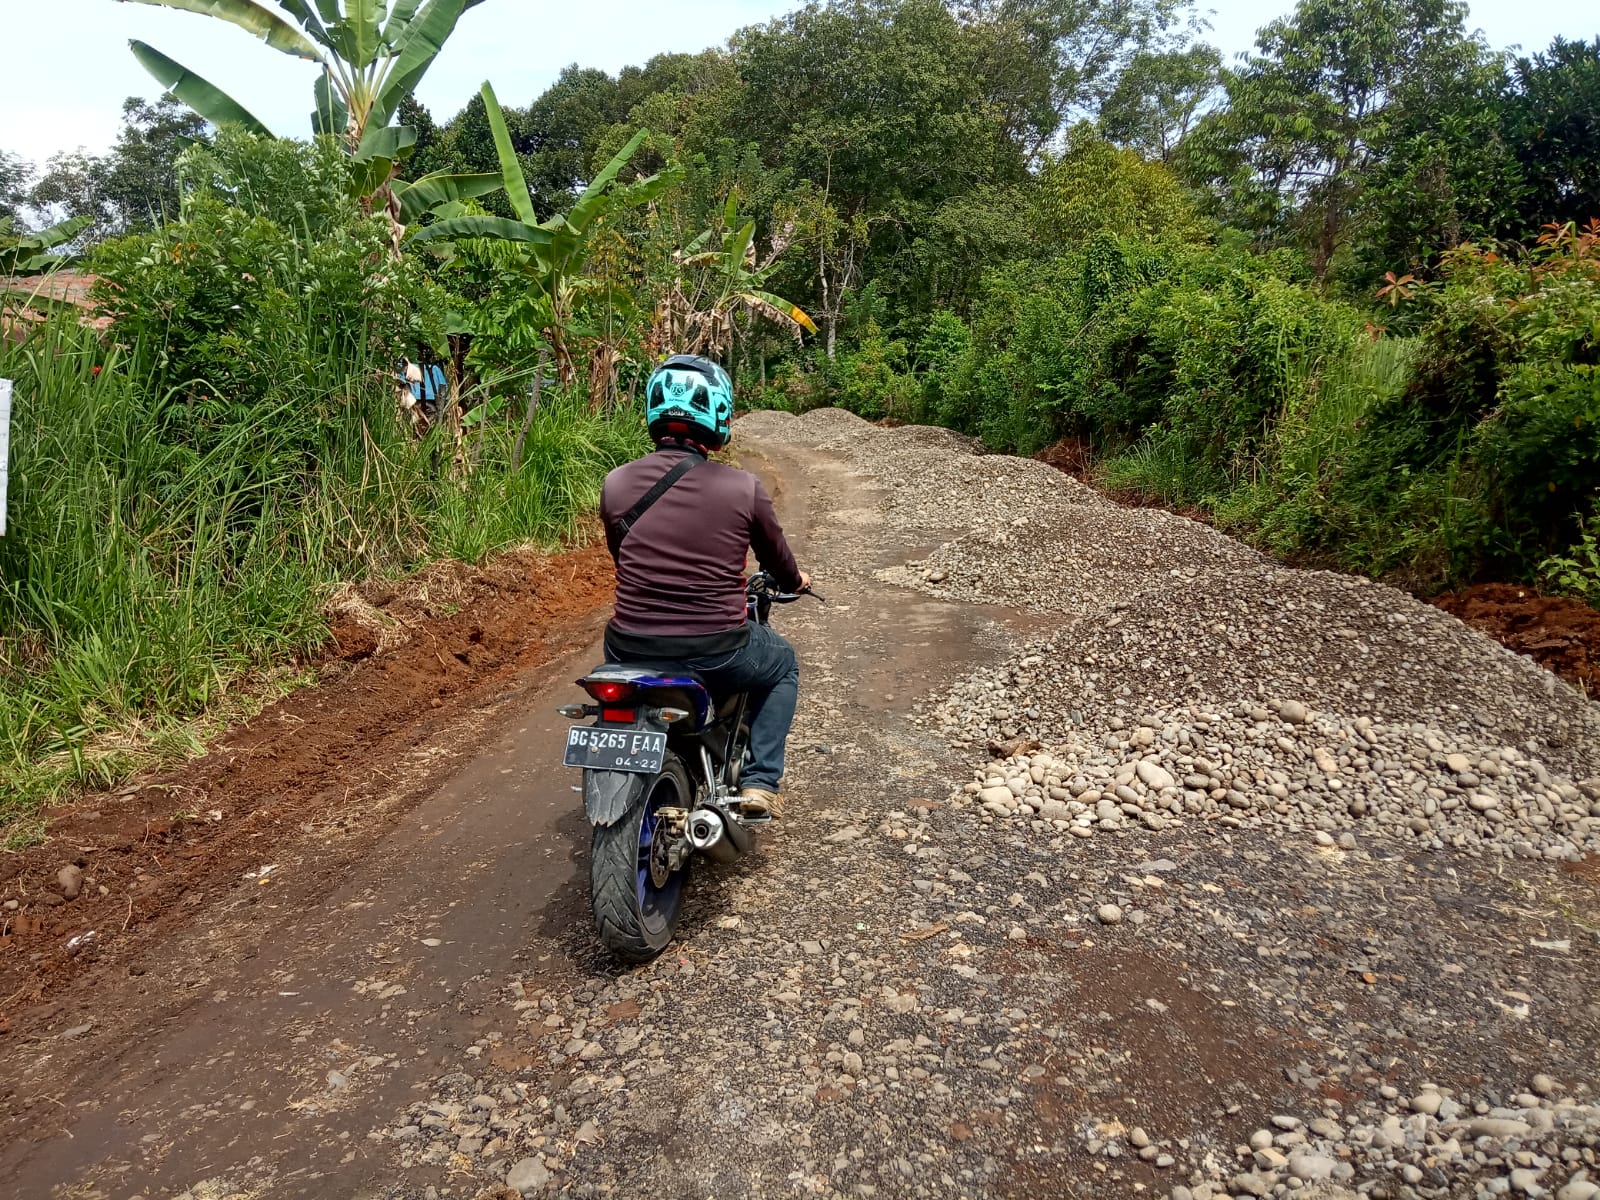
(760, 583)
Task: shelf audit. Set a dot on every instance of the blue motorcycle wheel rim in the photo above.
(656, 902)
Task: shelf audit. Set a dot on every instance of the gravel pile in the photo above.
(1437, 1142)
(1251, 693)
(1273, 765)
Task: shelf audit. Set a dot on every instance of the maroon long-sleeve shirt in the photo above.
(680, 570)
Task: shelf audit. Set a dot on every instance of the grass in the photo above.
(147, 573)
(1325, 484)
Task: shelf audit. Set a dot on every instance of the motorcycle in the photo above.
(661, 766)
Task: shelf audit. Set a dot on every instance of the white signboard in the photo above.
(5, 446)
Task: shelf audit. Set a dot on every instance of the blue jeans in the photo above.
(766, 669)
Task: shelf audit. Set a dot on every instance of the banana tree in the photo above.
(36, 253)
(549, 256)
(714, 279)
(372, 54)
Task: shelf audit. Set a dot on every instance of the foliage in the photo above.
(301, 186)
(1577, 572)
(941, 351)
(1095, 187)
(1549, 124)
(1303, 119)
(146, 570)
(227, 307)
(872, 380)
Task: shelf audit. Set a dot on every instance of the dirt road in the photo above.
(1123, 863)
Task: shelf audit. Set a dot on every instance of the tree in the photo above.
(880, 111)
(432, 151)
(561, 132)
(134, 185)
(1552, 124)
(1083, 47)
(1440, 171)
(139, 180)
(1288, 152)
(69, 189)
(1158, 98)
(16, 177)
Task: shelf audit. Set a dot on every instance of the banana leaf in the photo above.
(765, 301)
(399, 17)
(264, 23)
(416, 47)
(587, 205)
(301, 11)
(510, 168)
(32, 254)
(642, 191)
(355, 35)
(733, 253)
(502, 228)
(424, 195)
(368, 175)
(392, 142)
(332, 115)
(210, 101)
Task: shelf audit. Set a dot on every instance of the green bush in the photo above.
(225, 309)
(1214, 376)
(940, 354)
(872, 380)
(1577, 572)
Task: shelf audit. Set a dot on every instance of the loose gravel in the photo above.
(1226, 880)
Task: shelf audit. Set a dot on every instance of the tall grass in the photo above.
(144, 572)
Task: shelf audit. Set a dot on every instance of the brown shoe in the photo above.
(758, 802)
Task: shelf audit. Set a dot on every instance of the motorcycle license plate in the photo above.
(597, 748)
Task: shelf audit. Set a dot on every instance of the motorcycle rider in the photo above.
(680, 558)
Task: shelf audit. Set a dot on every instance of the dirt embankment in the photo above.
(404, 662)
(1557, 632)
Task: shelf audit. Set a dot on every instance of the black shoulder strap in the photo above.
(620, 527)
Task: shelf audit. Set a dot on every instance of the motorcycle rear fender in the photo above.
(609, 795)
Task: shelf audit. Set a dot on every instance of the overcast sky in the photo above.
(69, 68)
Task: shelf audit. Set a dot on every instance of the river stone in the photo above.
(528, 1175)
(1155, 776)
(70, 877)
(1293, 712)
(1312, 1168)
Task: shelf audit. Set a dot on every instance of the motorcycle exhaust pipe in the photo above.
(718, 838)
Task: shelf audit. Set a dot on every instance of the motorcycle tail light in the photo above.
(607, 691)
(623, 716)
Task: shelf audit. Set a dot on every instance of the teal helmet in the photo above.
(691, 398)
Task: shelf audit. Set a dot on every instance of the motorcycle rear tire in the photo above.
(636, 919)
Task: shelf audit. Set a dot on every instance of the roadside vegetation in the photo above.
(1344, 296)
